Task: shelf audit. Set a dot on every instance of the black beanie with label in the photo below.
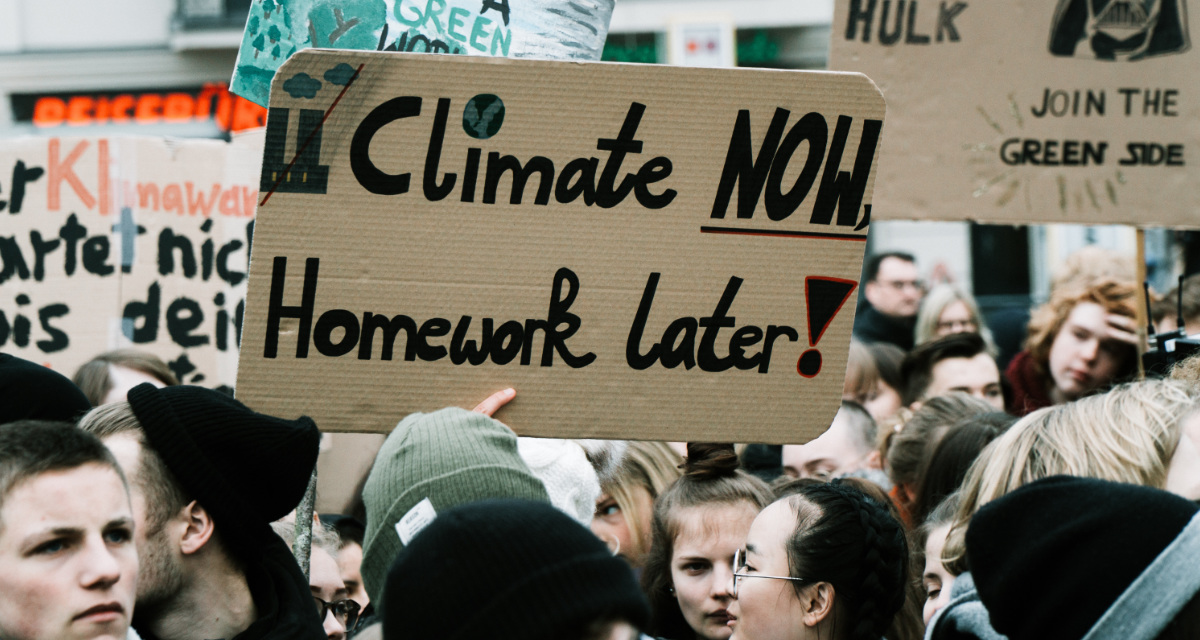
(247, 469)
(506, 570)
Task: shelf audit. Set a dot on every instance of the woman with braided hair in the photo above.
(828, 562)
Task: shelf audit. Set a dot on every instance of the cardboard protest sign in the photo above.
(1072, 111)
(275, 29)
(637, 259)
(126, 242)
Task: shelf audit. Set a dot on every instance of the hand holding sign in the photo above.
(494, 402)
(636, 296)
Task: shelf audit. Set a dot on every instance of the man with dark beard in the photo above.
(207, 475)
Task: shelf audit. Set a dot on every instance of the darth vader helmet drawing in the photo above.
(1119, 29)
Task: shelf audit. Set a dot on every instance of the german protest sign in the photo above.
(1072, 111)
(114, 242)
(635, 257)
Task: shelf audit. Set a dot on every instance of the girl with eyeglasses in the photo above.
(338, 613)
(946, 310)
(698, 524)
(828, 562)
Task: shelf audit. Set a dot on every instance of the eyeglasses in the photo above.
(739, 563)
(346, 611)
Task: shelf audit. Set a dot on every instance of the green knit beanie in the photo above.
(448, 457)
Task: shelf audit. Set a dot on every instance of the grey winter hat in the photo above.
(428, 464)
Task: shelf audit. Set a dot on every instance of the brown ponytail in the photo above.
(710, 461)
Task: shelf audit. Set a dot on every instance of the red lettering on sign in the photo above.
(57, 171)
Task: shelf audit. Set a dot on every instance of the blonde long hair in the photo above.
(935, 302)
(652, 466)
(1126, 435)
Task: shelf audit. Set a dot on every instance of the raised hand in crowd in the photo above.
(1075, 347)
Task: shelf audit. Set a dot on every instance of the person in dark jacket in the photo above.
(893, 295)
(207, 477)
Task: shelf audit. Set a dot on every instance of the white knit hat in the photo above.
(569, 477)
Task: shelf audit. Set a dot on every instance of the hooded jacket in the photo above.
(964, 617)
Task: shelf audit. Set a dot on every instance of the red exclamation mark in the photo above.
(824, 297)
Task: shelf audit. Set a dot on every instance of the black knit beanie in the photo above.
(247, 469)
(1052, 557)
(506, 570)
(30, 391)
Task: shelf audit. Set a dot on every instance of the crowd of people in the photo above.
(961, 472)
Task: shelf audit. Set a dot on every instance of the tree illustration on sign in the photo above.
(347, 24)
(275, 29)
(343, 25)
(270, 24)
